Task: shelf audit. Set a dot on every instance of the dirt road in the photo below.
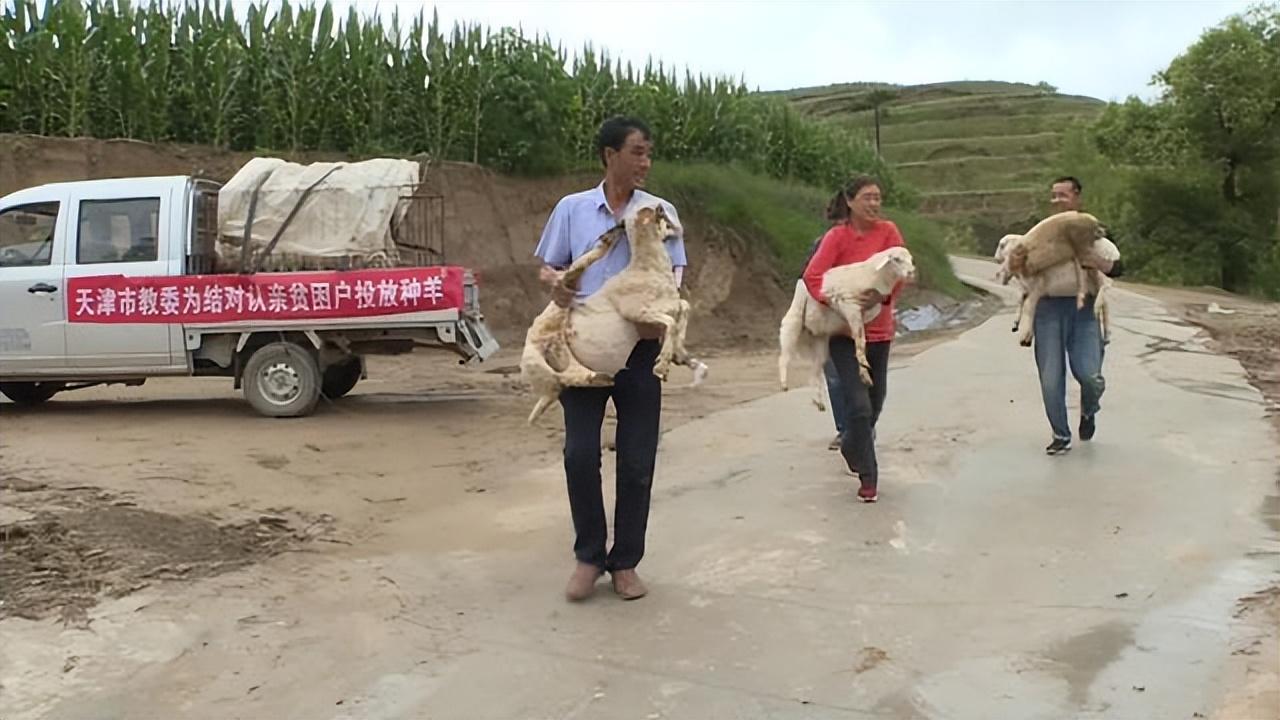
(402, 554)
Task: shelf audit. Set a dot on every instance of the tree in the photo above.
(1215, 130)
(1225, 91)
(876, 100)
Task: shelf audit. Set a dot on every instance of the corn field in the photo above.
(295, 78)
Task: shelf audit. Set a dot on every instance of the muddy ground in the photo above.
(107, 491)
(1248, 331)
(155, 492)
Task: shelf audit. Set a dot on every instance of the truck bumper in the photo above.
(475, 339)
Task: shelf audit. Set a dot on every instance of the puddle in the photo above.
(933, 317)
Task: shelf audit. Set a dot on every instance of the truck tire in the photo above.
(31, 393)
(341, 377)
(282, 379)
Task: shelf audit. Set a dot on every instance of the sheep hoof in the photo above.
(700, 371)
(1025, 342)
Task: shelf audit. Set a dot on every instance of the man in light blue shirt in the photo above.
(624, 145)
(580, 219)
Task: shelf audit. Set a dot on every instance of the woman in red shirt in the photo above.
(859, 233)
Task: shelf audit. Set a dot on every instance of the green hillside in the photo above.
(981, 153)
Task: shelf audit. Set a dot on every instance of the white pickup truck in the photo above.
(110, 282)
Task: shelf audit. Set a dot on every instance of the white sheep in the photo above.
(587, 344)
(1059, 238)
(807, 324)
(1036, 285)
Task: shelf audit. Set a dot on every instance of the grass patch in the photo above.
(786, 217)
(927, 240)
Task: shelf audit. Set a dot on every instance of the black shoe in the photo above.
(1058, 446)
(1088, 426)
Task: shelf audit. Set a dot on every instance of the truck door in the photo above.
(32, 297)
(119, 230)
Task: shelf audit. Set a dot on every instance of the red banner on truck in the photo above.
(197, 299)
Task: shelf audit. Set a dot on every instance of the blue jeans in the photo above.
(1065, 335)
(835, 395)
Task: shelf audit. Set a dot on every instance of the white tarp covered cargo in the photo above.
(350, 212)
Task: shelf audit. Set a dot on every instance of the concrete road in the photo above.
(990, 581)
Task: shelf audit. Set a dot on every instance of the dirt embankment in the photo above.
(491, 224)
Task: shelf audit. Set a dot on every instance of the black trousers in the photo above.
(863, 404)
(637, 396)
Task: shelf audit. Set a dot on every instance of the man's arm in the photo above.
(1111, 268)
(556, 254)
(1107, 261)
(675, 243)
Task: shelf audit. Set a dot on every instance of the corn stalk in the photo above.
(291, 77)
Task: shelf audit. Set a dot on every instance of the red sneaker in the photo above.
(867, 494)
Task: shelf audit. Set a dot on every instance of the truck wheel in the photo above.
(282, 380)
(31, 393)
(341, 377)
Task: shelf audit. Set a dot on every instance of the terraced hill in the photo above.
(981, 152)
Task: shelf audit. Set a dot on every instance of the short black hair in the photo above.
(1075, 183)
(615, 131)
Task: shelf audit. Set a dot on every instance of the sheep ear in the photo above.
(884, 260)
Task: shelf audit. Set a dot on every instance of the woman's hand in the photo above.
(869, 298)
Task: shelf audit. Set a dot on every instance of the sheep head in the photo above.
(1005, 245)
(650, 221)
(897, 261)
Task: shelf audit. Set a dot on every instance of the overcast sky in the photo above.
(1108, 50)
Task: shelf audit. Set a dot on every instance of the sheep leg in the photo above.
(818, 350)
(852, 313)
(680, 353)
(575, 374)
(1102, 310)
(1017, 318)
(1026, 317)
(1082, 285)
(789, 331)
(540, 407)
(860, 346)
(541, 378)
(603, 244)
(653, 316)
(1104, 319)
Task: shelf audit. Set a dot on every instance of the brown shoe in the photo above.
(582, 583)
(627, 584)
